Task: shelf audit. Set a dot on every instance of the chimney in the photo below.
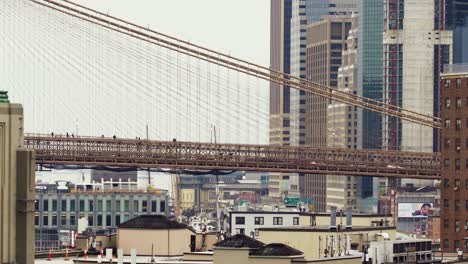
(332, 218)
(349, 219)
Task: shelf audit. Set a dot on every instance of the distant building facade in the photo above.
(325, 41)
(454, 185)
(342, 124)
(61, 209)
(456, 15)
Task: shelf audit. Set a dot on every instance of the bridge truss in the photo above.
(60, 150)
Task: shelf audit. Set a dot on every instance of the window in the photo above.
(446, 223)
(154, 207)
(457, 205)
(459, 103)
(72, 205)
(457, 185)
(108, 220)
(36, 220)
(259, 220)
(240, 231)
(446, 203)
(63, 220)
(466, 204)
(91, 206)
(117, 219)
(447, 143)
(81, 205)
(446, 183)
(36, 205)
(99, 220)
(145, 206)
(63, 207)
(466, 184)
(99, 205)
(54, 220)
(90, 220)
(277, 220)
(126, 205)
(135, 206)
(447, 123)
(45, 220)
(72, 219)
(295, 220)
(447, 103)
(118, 207)
(458, 124)
(45, 205)
(459, 83)
(54, 205)
(446, 163)
(457, 164)
(447, 83)
(456, 244)
(457, 144)
(108, 205)
(162, 206)
(466, 225)
(240, 220)
(446, 243)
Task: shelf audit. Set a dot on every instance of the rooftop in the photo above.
(239, 241)
(325, 228)
(152, 222)
(277, 250)
(455, 69)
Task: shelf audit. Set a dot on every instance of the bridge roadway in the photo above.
(90, 151)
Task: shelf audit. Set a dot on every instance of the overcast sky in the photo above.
(241, 27)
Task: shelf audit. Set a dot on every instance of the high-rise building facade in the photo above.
(454, 146)
(369, 84)
(416, 46)
(456, 17)
(325, 41)
(280, 60)
(305, 12)
(342, 123)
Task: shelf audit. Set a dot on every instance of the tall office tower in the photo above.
(305, 12)
(416, 46)
(342, 124)
(280, 41)
(456, 17)
(325, 41)
(454, 185)
(369, 84)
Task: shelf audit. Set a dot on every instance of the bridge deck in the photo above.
(60, 150)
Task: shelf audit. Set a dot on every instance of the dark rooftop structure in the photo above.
(152, 222)
(240, 241)
(276, 250)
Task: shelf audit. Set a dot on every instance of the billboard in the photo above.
(414, 209)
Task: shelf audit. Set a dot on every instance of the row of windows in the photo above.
(458, 82)
(71, 220)
(457, 184)
(456, 244)
(458, 103)
(458, 123)
(240, 220)
(456, 225)
(89, 206)
(457, 163)
(457, 204)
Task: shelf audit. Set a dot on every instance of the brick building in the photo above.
(454, 150)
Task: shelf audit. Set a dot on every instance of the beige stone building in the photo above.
(154, 234)
(16, 187)
(322, 242)
(325, 41)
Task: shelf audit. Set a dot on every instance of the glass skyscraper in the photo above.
(457, 20)
(370, 84)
